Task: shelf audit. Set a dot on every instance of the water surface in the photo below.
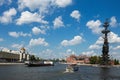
(21, 72)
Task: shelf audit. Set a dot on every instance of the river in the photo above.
(22, 72)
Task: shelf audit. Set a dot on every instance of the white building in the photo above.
(24, 56)
(14, 56)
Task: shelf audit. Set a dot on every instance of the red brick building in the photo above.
(78, 59)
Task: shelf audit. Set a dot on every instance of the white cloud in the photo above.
(5, 2)
(113, 22)
(100, 40)
(58, 22)
(28, 17)
(18, 46)
(69, 52)
(18, 34)
(50, 54)
(39, 41)
(5, 49)
(41, 5)
(94, 26)
(44, 6)
(63, 3)
(95, 46)
(1, 2)
(13, 34)
(1, 39)
(9, 1)
(114, 55)
(117, 48)
(75, 14)
(76, 40)
(89, 53)
(113, 38)
(37, 31)
(7, 16)
(45, 27)
(47, 54)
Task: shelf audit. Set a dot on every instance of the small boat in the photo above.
(37, 64)
(72, 68)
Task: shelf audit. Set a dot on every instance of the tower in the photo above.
(24, 55)
(105, 48)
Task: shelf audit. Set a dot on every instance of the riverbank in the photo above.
(94, 65)
(10, 63)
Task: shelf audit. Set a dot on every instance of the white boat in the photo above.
(36, 64)
(72, 68)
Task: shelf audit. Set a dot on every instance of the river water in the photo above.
(22, 72)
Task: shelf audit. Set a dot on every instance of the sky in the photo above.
(59, 28)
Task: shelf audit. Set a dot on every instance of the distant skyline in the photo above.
(58, 28)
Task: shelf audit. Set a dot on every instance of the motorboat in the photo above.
(72, 68)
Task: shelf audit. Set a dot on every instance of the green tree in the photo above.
(116, 62)
(95, 60)
(32, 58)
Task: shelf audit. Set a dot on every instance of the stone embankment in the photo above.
(10, 63)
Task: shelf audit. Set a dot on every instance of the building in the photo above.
(14, 56)
(9, 57)
(24, 55)
(78, 59)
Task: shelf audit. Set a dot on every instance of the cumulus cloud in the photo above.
(1, 2)
(5, 2)
(63, 3)
(42, 5)
(117, 47)
(39, 41)
(47, 54)
(100, 40)
(112, 38)
(69, 52)
(75, 14)
(28, 17)
(76, 40)
(1, 39)
(94, 26)
(13, 34)
(18, 34)
(37, 31)
(113, 21)
(89, 53)
(7, 16)
(18, 46)
(5, 49)
(58, 22)
(95, 46)
(45, 27)
(98, 44)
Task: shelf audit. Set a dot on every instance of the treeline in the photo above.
(98, 60)
(34, 58)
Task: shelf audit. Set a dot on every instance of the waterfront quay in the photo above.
(10, 63)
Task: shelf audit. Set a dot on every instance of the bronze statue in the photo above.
(105, 48)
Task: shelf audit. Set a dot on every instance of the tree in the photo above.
(116, 62)
(32, 58)
(95, 60)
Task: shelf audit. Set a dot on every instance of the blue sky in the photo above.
(58, 28)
